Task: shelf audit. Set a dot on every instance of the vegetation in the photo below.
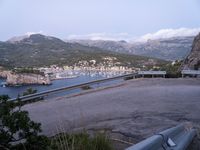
(129, 78)
(172, 69)
(29, 91)
(17, 130)
(81, 141)
(27, 70)
(86, 87)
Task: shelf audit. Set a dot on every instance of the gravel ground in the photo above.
(131, 111)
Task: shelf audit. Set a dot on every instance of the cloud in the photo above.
(20, 38)
(169, 33)
(101, 36)
(31, 33)
(163, 33)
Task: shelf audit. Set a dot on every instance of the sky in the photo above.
(99, 19)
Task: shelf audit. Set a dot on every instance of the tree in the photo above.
(17, 130)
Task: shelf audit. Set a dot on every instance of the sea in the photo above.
(14, 91)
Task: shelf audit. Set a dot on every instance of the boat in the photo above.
(64, 76)
(72, 76)
(3, 84)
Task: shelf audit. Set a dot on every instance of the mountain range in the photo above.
(38, 50)
(174, 48)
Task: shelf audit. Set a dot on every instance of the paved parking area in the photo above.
(137, 108)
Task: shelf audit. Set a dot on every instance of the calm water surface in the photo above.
(15, 91)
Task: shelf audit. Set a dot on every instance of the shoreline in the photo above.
(19, 79)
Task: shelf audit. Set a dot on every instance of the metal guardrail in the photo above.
(45, 93)
(152, 73)
(176, 138)
(190, 72)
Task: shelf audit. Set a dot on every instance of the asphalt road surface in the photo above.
(136, 108)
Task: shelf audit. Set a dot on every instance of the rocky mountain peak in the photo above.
(33, 38)
(193, 59)
(37, 38)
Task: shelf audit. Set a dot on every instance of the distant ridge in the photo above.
(38, 50)
(175, 48)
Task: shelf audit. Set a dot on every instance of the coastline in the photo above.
(54, 72)
(15, 79)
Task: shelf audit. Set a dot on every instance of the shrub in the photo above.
(28, 70)
(173, 70)
(31, 91)
(17, 130)
(129, 78)
(81, 141)
(86, 87)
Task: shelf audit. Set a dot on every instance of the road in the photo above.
(136, 108)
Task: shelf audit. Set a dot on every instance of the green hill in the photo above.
(38, 50)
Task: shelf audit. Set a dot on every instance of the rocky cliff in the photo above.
(4, 73)
(14, 79)
(23, 78)
(193, 59)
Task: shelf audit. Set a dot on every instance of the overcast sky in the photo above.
(98, 18)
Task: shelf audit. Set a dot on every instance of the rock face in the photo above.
(14, 79)
(193, 59)
(4, 73)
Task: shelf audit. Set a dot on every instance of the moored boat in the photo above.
(3, 84)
